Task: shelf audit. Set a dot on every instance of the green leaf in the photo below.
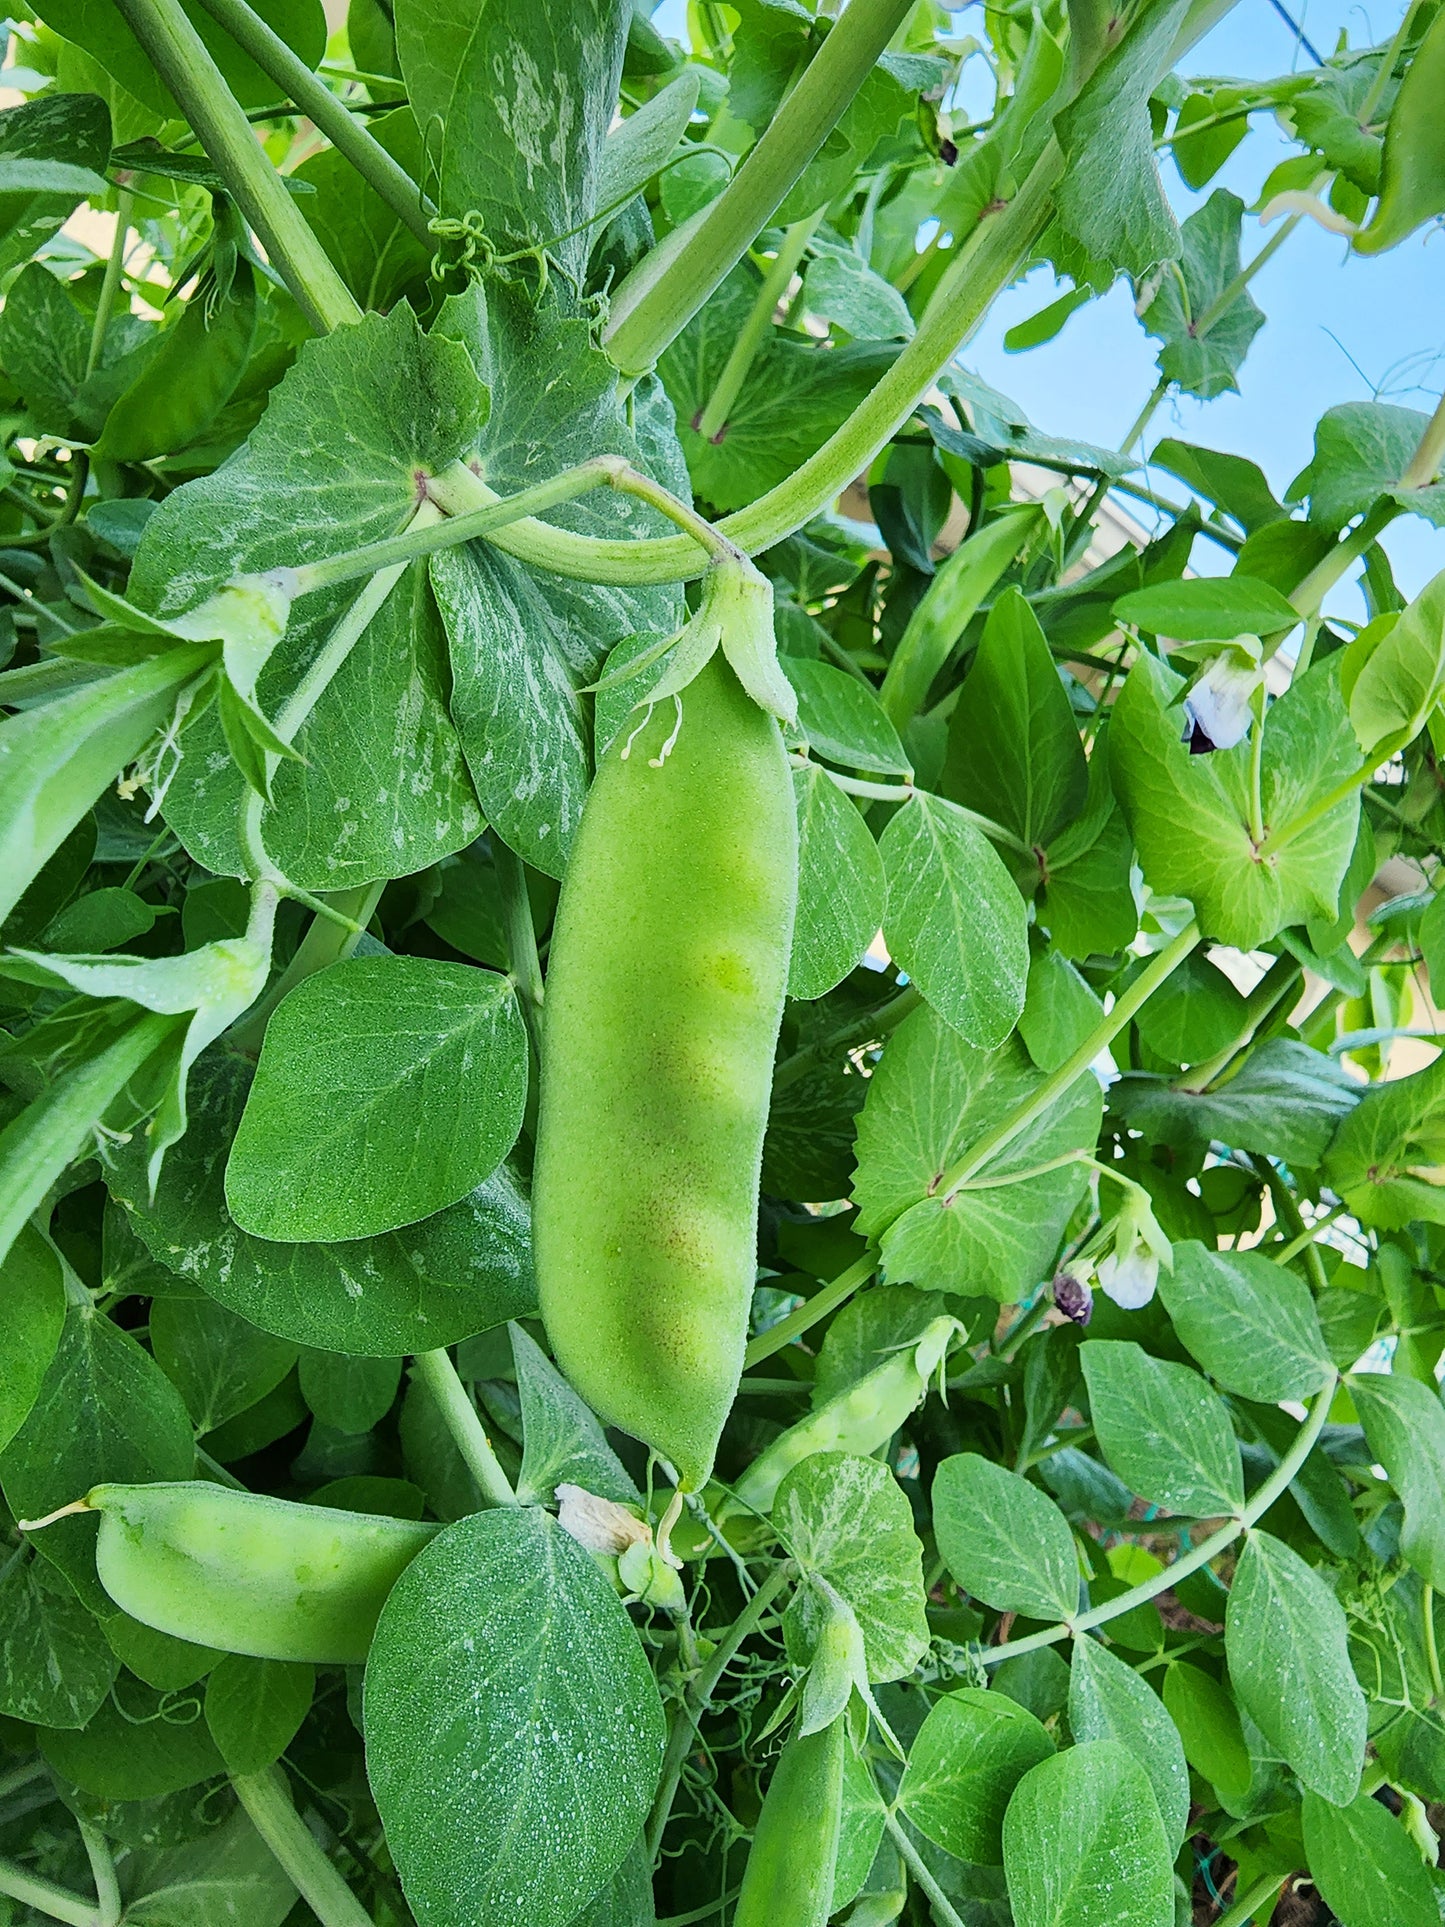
(254, 1708)
(1205, 361)
(562, 1441)
(841, 886)
(1367, 1868)
(219, 1363)
(229, 1873)
(514, 1735)
(1086, 895)
(1362, 448)
(160, 1659)
(1193, 1015)
(1207, 608)
(930, 1099)
(1060, 1010)
(1391, 1134)
(637, 147)
(1404, 1423)
(1003, 1540)
(1013, 745)
(1110, 200)
(1083, 1843)
(139, 1750)
(1286, 1641)
(517, 105)
(841, 288)
(1108, 1700)
(56, 1666)
(102, 31)
(376, 254)
(1399, 683)
(1232, 483)
(843, 720)
(1208, 1724)
(846, 1520)
(349, 1394)
(1285, 1100)
(53, 154)
(1162, 1429)
(965, 1761)
(1412, 168)
(1191, 815)
(333, 464)
(105, 1412)
(30, 1329)
(468, 1268)
(421, 1114)
(954, 919)
(1249, 1322)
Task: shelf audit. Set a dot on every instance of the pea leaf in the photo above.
(333, 464)
(465, 1269)
(376, 254)
(1203, 359)
(846, 1520)
(1285, 1099)
(1232, 483)
(1362, 448)
(1191, 815)
(841, 288)
(933, 1096)
(228, 1870)
(1286, 1641)
(1208, 1725)
(513, 1731)
(349, 1394)
(1083, 1843)
(843, 720)
(1003, 1540)
(1398, 684)
(1249, 1322)
(1207, 608)
(1108, 1700)
(1162, 1429)
(422, 1113)
(965, 1761)
(53, 155)
(954, 919)
(30, 1329)
(103, 33)
(254, 1708)
(56, 1666)
(841, 886)
(147, 1749)
(1378, 1151)
(637, 147)
(1367, 1868)
(218, 1362)
(1404, 1423)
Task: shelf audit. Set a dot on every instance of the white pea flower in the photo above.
(1220, 707)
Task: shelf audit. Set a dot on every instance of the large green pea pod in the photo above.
(189, 379)
(788, 1881)
(664, 995)
(858, 1420)
(246, 1573)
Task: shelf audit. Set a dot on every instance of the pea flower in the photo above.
(1220, 706)
(1073, 1295)
(1130, 1271)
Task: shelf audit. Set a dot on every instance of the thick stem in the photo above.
(1059, 1081)
(713, 419)
(807, 1315)
(943, 1908)
(1425, 462)
(1327, 572)
(1191, 1561)
(521, 937)
(1252, 1902)
(267, 1799)
(102, 1869)
(439, 1375)
(743, 209)
(180, 57)
(110, 286)
(315, 99)
(33, 1891)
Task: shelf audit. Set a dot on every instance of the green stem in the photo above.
(857, 1030)
(33, 1891)
(1327, 572)
(109, 1905)
(114, 267)
(699, 1697)
(520, 929)
(1191, 1561)
(267, 1799)
(1432, 1650)
(179, 55)
(439, 1375)
(1425, 463)
(21, 1776)
(1266, 997)
(324, 943)
(1305, 1238)
(1245, 1909)
(1232, 290)
(1061, 1080)
(943, 1908)
(809, 1314)
(743, 209)
(427, 536)
(713, 419)
(315, 99)
(1141, 421)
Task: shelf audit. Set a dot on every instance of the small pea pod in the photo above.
(190, 377)
(1412, 171)
(858, 1420)
(246, 1573)
(664, 996)
(788, 1881)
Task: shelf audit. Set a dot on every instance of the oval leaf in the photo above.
(969, 1755)
(1003, 1541)
(1083, 1844)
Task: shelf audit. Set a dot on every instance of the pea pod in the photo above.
(250, 1574)
(788, 1881)
(858, 1420)
(189, 379)
(663, 1000)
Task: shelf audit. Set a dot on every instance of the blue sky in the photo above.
(1340, 327)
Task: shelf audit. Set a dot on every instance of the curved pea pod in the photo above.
(189, 379)
(250, 1574)
(858, 1420)
(1412, 169)
(788, 1881)
(663, 999)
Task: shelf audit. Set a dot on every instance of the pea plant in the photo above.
(714, 1205)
